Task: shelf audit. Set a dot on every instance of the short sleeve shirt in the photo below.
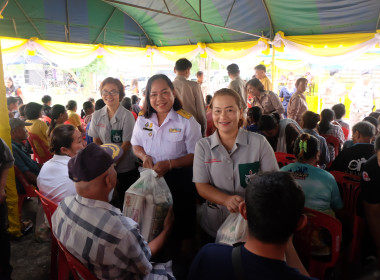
(229, 172)
(117, 130)
(9, 161)
(105, 241)
(40, 129)
(175, 138)
(320, 188)
(370, 181)
(73, 118)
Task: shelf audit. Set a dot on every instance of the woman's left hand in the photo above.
(161, 167)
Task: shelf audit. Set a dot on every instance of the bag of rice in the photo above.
(147, 202)
(233, 230)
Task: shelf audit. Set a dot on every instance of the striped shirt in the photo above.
(105, 241)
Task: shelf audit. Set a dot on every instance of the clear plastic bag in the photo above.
(233, 230)
(147, 202)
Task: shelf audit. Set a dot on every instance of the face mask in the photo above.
(110, 194)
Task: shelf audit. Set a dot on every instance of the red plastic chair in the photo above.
(77, 268)
(37, 155)
(302, 242)
(346, 132)
(29, 189)
(49, 207)
(284, 158)
(349, 186)
(332, 140)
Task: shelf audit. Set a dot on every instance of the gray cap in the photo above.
(15, 122)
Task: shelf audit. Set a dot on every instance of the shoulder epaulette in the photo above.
(141, 113)
(184, 114)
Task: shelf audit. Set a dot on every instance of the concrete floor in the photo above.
(30, 259)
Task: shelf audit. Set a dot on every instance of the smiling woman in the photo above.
(226, 161)
(164, 139)
(114, 124)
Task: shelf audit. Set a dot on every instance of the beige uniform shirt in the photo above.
(229, 172)
(238, 85)
(266, 83)
(269, 103)
(116, 130)
(297, 107)
(190, 94)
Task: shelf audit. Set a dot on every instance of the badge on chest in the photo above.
(247, 171)
(116, 136)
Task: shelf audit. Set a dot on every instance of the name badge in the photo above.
(174, 130)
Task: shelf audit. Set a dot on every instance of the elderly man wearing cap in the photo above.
(23, 162)
(94, 231)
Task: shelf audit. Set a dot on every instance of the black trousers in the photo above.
(5, 246)
(183, 191)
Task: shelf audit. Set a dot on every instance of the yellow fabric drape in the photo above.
(5, 134)
(71, 50)
(176, 52)
(236, 50)
(126, 52)
(10, 45)
(331, 44)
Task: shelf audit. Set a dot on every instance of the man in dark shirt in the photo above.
(273, 208)
(370, 184)
(23, 162)
(350, 160)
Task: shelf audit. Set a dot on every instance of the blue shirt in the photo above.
(214, 261)
(89, 139)
(286, 94)
(320, 188)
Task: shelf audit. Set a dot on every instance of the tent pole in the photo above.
(68, 20)
(183, 17)
(10, 187)
(273, 72)
(29, 19)
(104, 26)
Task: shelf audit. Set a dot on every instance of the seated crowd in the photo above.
(217, 158)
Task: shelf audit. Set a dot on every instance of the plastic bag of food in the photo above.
(147, 202)
(233, 230)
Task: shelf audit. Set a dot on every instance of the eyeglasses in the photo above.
(107, 93)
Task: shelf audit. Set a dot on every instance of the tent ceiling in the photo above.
(182, 22)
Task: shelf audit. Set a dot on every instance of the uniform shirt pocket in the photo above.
(176, 143)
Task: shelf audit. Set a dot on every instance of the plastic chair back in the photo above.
(48, 205)
(332, 140)
(303, 239)
(284, 159)
(77, 268)
(40, 151)
(346, 132)
(29, 189)
(349, 186)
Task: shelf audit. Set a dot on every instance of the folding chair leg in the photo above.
(63, 266)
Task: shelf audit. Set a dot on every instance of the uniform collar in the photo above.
(241, 138)
(172, 115)
(61, 158)
(180, 77)
(104, 113)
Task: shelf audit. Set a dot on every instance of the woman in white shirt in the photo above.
(53, 180)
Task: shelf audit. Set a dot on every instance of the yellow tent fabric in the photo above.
(5, 134)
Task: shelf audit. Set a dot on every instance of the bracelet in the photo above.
(145, 156)
(170, 165)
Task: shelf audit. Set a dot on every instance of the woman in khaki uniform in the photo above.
(226, 161)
